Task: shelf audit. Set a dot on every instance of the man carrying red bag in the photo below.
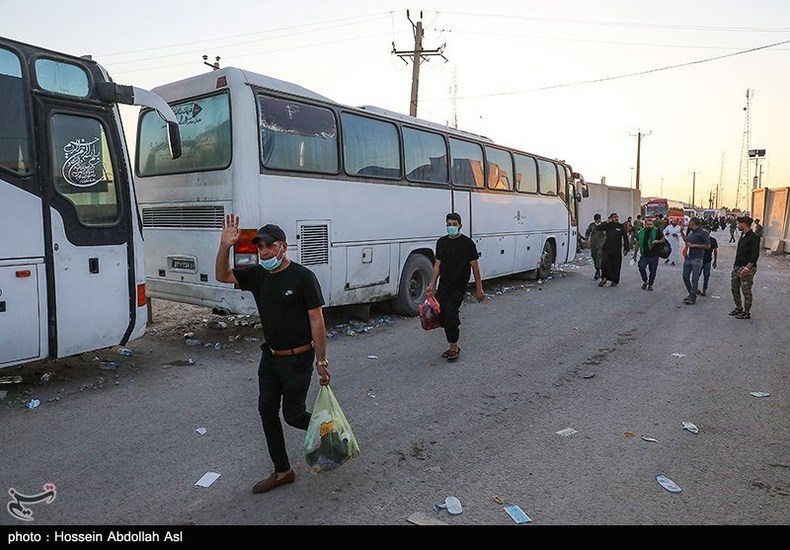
(456, 258)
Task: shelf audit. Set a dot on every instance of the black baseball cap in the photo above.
(269, 233)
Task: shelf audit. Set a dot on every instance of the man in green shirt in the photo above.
(648, 239)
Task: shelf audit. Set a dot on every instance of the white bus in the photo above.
(72, 277)
(361, 193)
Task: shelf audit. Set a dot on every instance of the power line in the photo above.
(307, 28)
(604, 79)
(589, 41)
(621, 23)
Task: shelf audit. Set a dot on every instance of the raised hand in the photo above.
(230, 230)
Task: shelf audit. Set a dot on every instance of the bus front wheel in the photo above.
(414, 280)
(546, 260)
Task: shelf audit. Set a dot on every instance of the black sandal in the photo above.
(453, 355)
(446, 354)
(744, 315)
(736, 311)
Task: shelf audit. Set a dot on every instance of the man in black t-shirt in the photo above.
(290, 304)
(456, 259)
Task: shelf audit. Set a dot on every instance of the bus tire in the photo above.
(414, 280)
(547, 258)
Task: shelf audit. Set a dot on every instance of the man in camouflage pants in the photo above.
(744, 268)
(596, 239)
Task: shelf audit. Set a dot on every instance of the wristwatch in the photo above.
(322, 363)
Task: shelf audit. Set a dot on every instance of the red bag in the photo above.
(429, 313)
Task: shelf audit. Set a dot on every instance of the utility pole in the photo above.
(693, 190)
(662, 188)
(720, 186)
(639, 135)
(417, 55)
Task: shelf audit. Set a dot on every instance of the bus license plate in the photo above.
(182, 264)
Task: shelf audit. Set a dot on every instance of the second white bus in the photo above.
(361, 193)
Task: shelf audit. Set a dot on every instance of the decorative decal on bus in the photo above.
(79, 169)
(187, 114)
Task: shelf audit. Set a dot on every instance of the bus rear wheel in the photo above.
(414, 280)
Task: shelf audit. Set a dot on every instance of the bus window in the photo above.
(205, 138)
(425, 155)
(297, 136)
(83, 168)
(370, 147)
(467, 163)
(548, 177)
(563, 182)
(14, 130)
(499, 168)
(526, 174)
(62, 78)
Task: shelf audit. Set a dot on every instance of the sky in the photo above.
(575, 80)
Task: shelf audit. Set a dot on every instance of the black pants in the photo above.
(611, 263)
(285, 379)
(449, 314)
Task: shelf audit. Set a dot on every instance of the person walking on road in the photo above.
(612, 258)
(711, 256)
(456, 256)
(733, 226)
(639, 223)
(647, 240)
(660, 223)
(596, 239)
(290, 303)
(697, 241)
(744, 268)
(672, 234)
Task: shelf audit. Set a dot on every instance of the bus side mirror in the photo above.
(585, 191)
(174, 139)
(578, 197)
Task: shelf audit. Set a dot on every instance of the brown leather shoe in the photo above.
(272, 482)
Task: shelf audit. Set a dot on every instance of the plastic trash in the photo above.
(207, 479)
(667, 483)
(373, 356)
(759, 393)
(690, 427)
(190, 361)
(33, 403)
(45, 378)
(10, 379)
(329, 441)
(108, 365)
(588, 375)
(518, 515)
(201, 431)
(3, 393)
(217, 325)
(188, 335)
(421, 518)
(566, 432)
(649, 439)
(126, 352)
(218, 346)
(192, 342)
(678, 355)
(451, 504)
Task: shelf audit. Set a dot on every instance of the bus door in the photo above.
(87, 217)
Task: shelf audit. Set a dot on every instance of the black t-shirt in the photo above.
(455, 255)
(283, 299)
(707, 256)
